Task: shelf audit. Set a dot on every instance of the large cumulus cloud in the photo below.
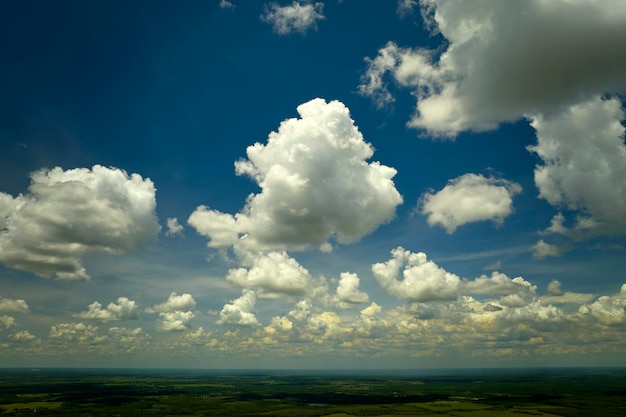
(66, 215)
(505, 60)
(316, 184)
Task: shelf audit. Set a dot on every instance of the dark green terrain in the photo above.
(65, 392)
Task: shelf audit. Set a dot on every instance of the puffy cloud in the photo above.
(175, 321)
(8, 305)
(608, 310)
(225, 4)
(422, 279)
(542, 249)
(584, 166)
(175, 313)
(348, 289)
(293, 18)
(125, 309)
(315, 182)
(74, 332)
(23, 336)
(371, 310)
(504, 60)
(240, 311)
(7, 321)
(173, 227)
(514, 292)
(69, 214)
(406, 7)
(174, 302)
(271, 273)
(470, 198)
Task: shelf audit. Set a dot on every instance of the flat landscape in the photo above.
(467, 393)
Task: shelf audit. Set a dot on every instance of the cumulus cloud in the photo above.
(295, 17)
(175, 314)
(406, 7)
(74, 332)
(422, 280)
(584, 166)
(503, 61)
(175, 321)
(240, 311)
(542, 250)
(69, 214)
(225, 4)
(316, 184)
(514, 292)
(348, 289)
(124, 309)
(174, 302)
(271, 274)
(608, 310)
(23, 336)
(470, 198)
(173, 227)
(8, 305)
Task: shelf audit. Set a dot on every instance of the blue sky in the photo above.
(313, 184)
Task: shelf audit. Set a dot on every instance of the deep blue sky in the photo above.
(177, 93)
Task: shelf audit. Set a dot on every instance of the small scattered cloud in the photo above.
(497, 265)
(173, 227)
(422, 279)
(295, 18)
(272, 274)
(8, 305)
(240, 312)
(468, 199)
(175, 313)
(225, 4)
(348, 289)
(542, 250)
(124, 309)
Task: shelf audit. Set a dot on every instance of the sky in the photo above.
(293, 184)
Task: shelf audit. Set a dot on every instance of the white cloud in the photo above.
(240, 311)
(470, 198)
(514, 292)
(225, 4)
(406, 7)
(23, 336)
(8, 305)
(293, 18)
(494, 266)
(348, 289)
(584, 166)
(173, 227)
(505, 60)
(542, 249)
(7, 321)
(175, 321)
(316, 184)
(174, 302)
(74, 332)
(175, 313)
(124, 309)
(271, 273)
(608, 310)
(422, 279)
(69, 214)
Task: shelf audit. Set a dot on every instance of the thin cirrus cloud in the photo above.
(296, 17)
(69, 214)
(316, 185)
(468, 199)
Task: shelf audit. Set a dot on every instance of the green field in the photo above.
(548, 393)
